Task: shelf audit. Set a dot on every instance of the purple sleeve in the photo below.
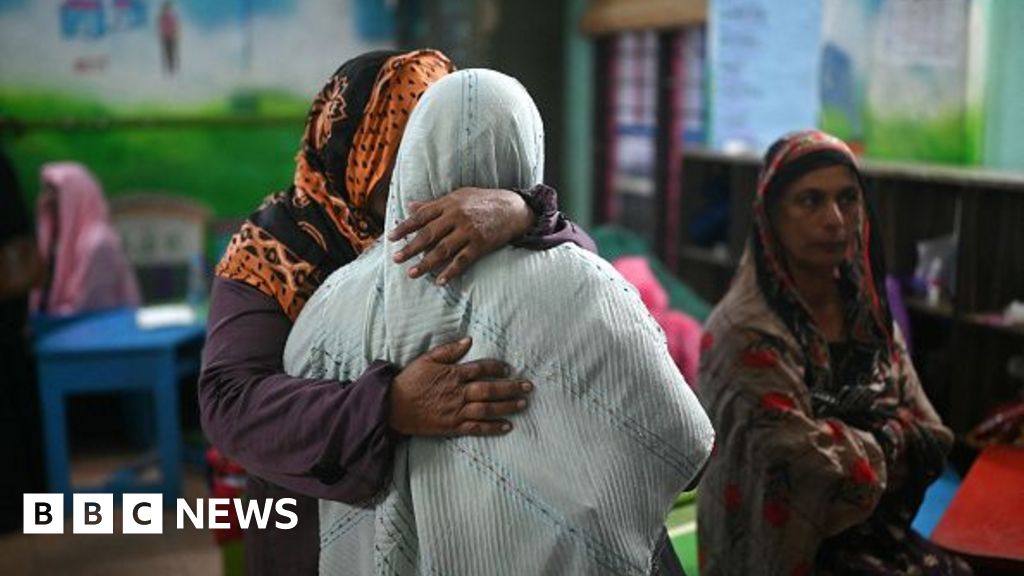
(551, 227)
(322, 438)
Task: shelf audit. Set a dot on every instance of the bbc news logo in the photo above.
(144, 513)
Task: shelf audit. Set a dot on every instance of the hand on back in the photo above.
(435, 396)
(456, 230)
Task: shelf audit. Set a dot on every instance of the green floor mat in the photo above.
(682, 531)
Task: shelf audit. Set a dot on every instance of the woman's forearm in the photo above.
(323, 438)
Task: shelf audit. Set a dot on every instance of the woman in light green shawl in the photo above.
(613, 432)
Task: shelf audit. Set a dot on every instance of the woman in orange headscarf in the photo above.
(309, 439)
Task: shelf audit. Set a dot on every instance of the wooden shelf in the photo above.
(711, 155)
(967, 177)
(944, 309)
(994, 321)
(714, 257)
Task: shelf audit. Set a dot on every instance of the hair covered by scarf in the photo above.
(299, 236)
(861, 274)
(587, 335)
(89, 268)
(816, 469)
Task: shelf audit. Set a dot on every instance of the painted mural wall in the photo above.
(193, 59)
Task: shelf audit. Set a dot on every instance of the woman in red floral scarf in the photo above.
(825, 441)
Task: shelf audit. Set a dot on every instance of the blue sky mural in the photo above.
(211, 15)
(130, 53)
(9, 4)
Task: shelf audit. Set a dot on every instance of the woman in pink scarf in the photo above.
(87, 269)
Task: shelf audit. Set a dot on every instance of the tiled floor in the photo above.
(188, 552)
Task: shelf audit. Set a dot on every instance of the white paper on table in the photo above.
(164, 315)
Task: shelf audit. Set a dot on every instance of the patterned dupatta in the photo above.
(815, 470)
(299, 236)
(861, 275)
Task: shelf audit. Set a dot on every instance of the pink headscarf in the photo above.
(682, 332)
(90, 270)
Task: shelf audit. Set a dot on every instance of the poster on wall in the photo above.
(846, 48)
(177, 56)
(764, 60)
(916, 93)
(934, 81)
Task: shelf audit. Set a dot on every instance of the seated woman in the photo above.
(825, 439)
(613, 432)
(85, 266)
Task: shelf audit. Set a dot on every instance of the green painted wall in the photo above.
(228, 168)
(578, 111)
(1003, 146)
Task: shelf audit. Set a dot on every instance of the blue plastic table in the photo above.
(103, 353)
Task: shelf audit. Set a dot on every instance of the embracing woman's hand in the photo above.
(434, 396)
(456, 230)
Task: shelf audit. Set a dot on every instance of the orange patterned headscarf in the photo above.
(355, 124)
(375, 146)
